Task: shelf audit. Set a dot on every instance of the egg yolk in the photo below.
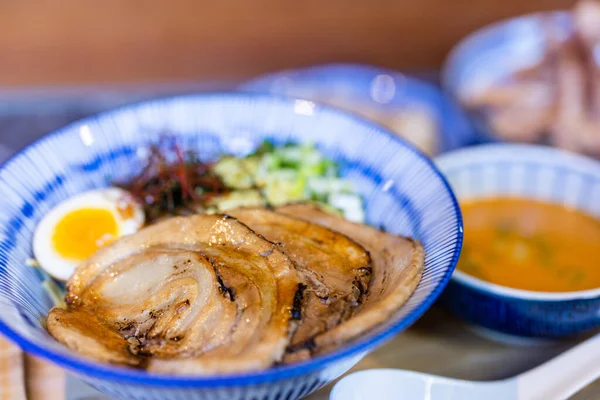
(80, 233)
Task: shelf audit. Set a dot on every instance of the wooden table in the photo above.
(440, 344)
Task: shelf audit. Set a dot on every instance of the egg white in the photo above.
(108, 199)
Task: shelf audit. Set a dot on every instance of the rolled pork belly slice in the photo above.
(190, 295)
(397, 267)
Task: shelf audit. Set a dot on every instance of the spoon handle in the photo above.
(564, 375)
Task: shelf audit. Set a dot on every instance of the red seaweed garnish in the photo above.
(174, 182)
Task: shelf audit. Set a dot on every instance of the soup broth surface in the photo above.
(530, 245)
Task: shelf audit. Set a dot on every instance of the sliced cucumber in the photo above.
(350, 204)
(286, 174)
(323, 185)
(237, 173)
(238, 198)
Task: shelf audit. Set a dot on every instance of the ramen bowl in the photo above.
(403, 193)
(524, 172)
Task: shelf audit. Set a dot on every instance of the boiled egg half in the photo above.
(79, 226)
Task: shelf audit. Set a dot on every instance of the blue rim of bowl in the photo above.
(133, 376)
(483, 286)
(455, 127)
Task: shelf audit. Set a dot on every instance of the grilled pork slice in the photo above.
(335, 269)
(190, 295)
(397, 264)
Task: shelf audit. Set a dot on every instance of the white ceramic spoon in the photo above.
(557, 379)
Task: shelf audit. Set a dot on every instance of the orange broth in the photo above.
(530, 245)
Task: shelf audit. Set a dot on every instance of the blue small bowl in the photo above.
(404, 193)
(374, 87)
(494, 53)
(532, 172)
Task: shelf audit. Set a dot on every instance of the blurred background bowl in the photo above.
(530, 172)
(412, 108)
(403, 193)
(493, 55)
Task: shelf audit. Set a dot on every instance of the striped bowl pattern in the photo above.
(404, 193)
(532, 172)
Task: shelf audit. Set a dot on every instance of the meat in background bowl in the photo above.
(511, 171)
(403, 192)
(533, 79)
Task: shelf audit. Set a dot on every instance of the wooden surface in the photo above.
(81, 41)
(442, 345)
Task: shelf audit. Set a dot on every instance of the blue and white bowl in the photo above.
(532, 172)
(494, 53)
(373, 87)
(404, 193)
